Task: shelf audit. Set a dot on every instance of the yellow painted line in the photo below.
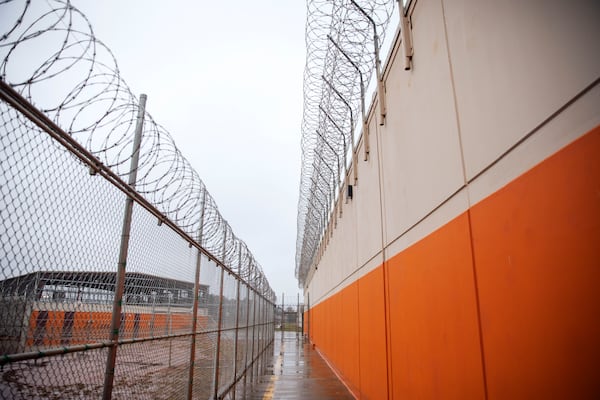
(269, 392)
(271, 388)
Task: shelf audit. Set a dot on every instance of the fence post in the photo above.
(237, 318)
(195, 306)
(260, 336)
(218, 350)
(254, 331)
(115, 325)
(220, 318)
(249, 291)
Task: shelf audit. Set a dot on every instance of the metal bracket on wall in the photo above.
(406, 37)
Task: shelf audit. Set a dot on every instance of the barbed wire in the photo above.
(53, 59)
(341, 41)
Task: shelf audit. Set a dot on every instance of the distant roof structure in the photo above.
(135, 282)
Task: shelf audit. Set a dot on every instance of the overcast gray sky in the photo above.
(225, 79)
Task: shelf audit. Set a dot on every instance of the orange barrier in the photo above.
(55, 328)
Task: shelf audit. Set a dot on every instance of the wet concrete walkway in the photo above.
(298, 372)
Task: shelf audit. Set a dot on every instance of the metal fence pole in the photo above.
(265, 335)
(218, 349)
(120, 278)
(237, 320)
(258, 337)
(263, 332)
(194, 327)
(195, 306)
(261, 338)
(254, 332)
(249, 291)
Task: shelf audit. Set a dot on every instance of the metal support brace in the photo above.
(339, 95)
(339, 172)
(406, 38)
(365, 127)
(378, 72)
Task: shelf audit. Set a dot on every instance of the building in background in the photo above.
(49, 308)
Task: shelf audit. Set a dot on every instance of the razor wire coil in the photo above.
(53, 59)
(340, 59)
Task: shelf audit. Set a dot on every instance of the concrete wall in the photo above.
(465, 266)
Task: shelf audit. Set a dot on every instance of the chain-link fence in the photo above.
(119, 277)
(289, 317)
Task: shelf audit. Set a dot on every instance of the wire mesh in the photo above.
(343, 38)
(21, 380)
(289, 317)
(67, 127)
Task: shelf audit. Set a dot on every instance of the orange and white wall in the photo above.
(467, 265)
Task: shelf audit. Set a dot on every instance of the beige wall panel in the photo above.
(346, 234)
(339, 265)
(515, 63)
(320, 290)
(367, 203)
(456, 205)
(339, 258)
(420, 145)
(579, 118)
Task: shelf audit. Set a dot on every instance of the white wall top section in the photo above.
(420, 147)
(367, 202)
(516, 62)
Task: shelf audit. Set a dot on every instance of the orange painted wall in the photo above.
(371, 326)
(434, 334)
(500, 303)
(537, 251)
(349, 336)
